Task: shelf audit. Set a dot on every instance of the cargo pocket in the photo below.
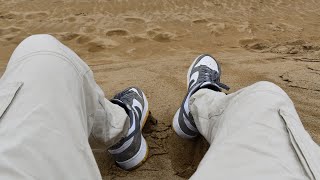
(307, 151)
(7, 93)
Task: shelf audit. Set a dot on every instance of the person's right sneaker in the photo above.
(204, 72)
(132, 150)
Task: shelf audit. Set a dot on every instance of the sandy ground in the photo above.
(150, 44)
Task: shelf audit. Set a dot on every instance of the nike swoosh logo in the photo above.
(137, 105)
(133, 127)
(134, 90)
(194, 78)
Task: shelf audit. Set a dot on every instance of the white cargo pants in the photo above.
(254, 133)
(49, 104)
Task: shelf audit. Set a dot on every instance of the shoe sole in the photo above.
(142, 155)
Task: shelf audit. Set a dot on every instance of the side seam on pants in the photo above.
(307, 150)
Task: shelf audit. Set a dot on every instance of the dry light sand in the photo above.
(151, 43)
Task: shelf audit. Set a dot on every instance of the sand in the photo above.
(150, 44)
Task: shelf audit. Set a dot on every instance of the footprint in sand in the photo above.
(9, 38)
(22, 22)
(275, 27)
(102, 45)
(254, 44)
(71, 19)
(36, 15)
(9, 16)
(117, 32)
(200, 21)
(57, 20)
(96, 47)
(217, 28)
(164, 37)
(154, 31)
(10, 30)
(135, 38)
(157, 34)
(134, 20)
(69, 36)
(89, 20)
(245, 27)
(88, 29)
(83, 39)
(10, 34)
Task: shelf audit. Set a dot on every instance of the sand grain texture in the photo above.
(150, 44)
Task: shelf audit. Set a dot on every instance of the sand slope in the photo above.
(150, 44)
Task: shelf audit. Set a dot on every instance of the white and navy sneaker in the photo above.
(132, 150)
(204, 72)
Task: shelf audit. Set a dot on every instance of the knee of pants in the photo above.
(36, 43)
(39, 38)
(40, 41)
(268, 86)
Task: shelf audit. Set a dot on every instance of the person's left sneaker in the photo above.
(132, 150)
(204, 72)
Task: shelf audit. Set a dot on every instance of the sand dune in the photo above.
(150, 44)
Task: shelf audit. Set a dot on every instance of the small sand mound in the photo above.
(69, 36)
(96, 47)
(164, 37)
(83, 39)
(117, 32)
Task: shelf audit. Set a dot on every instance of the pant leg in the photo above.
(111, 122)
(49, 105)
(254, 133)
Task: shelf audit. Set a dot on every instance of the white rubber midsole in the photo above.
(136, 159)
(145, 110)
